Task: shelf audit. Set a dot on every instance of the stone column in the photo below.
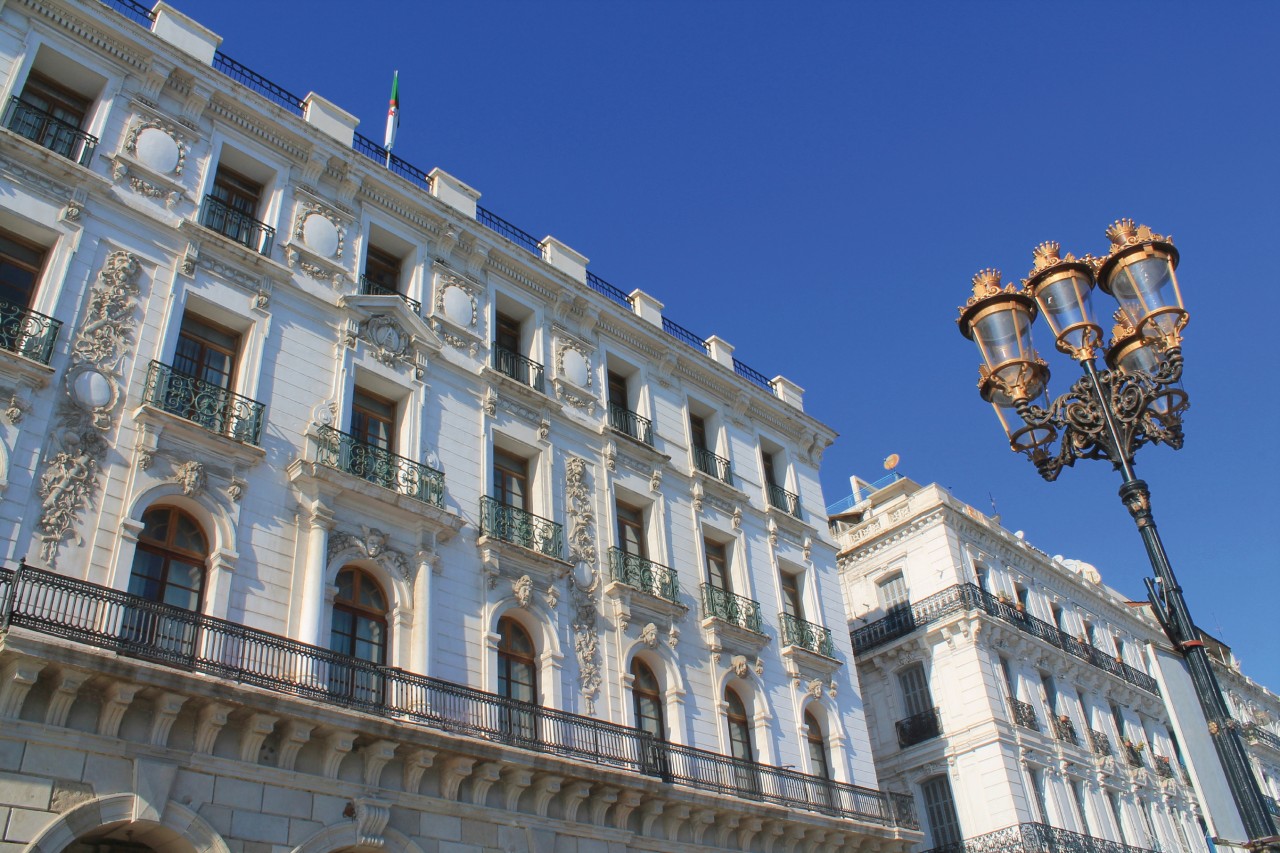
(311, 621)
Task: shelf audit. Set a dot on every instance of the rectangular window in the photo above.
(791, 596)
(231, 209)
(1009, 683)
(766, 460)
(618, 390)
(916, 698)
(382, 269)
(510, 480)
(717, 565)
(1077, 791)
(698, 432)
(507, 335)
(206, 352)
(373, 420)
(940, 808)
(892, 592)
(1050, 693)
(20, 266)
(47, 95)
(1042, 799)
(631, 537)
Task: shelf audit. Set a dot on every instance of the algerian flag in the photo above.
(393, 113)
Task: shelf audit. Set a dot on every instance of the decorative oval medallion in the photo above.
(321, 235)
(458, 306)
(575, 367)
(92, 390)
(157, 150)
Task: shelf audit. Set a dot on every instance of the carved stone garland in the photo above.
(585, 579)
(88, 411)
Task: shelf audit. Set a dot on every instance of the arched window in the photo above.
(818, 764)
(740, 746)
(359, 617)
(169, 561)
(647, 696)
(517, 678)
(940, 810)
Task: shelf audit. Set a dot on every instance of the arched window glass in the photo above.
(169, 561)
(647, 696)
(818, 764)
(517, 678)
(359, 617)
(740, 746)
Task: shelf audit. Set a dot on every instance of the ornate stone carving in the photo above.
(191, 476)
(17, 408)
(371, 543)
(235, 490)
(649, 635)
(611, 455)
(93, 391)
(522, 589)
(585, 579)
(390, 343)
(582, 538)
(544, 429)
(178, 156)
(329, 241)
(551, 596)
(814, 688)
(673, 636)
(698, 494)
(490, 402)
(739, 665)
(655, 480)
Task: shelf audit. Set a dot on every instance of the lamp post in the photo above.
(1108, 414)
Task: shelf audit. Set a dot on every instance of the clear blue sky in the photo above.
(817, 182)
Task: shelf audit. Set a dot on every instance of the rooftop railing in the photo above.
(379, 466)
(1036, 838)
(255, 82)
(680, 333)
(211, 406)
(645, 575)
(752, 375)
(862, 494)
(369, 287)
(48, 131)
(808, 636)
(520, 527)
(730, 607)
(27, 333)
(604, 288)
(967, 596)
(132, 10)
(919, 728)
(502, 227)
(134, 627)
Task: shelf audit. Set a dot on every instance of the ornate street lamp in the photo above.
(1108, 414)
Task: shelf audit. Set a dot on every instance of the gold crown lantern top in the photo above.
(1123, 233)
(1123, 328)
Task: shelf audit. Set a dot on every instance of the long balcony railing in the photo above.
(211, 406)
(967, 596)
(515, 525)
(367, 461)
(780, 498)
(369, 287)
(523, 370)
(49, 131)
(1258, 734)
(131, 626)
(1065, 730)
(629, 423)
(919, 728)
(645, 575)
(729, 607)
(806, 635)
(1100, 743)
(217, 215)
(27, 333)
(712, 465)
(1036, 838)
(1024, 714)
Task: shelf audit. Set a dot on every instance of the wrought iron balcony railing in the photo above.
(368, 287)
(367, 461)
(49, 131)
(1100, 743)
(712, 465)
(514, 525)
(1164, 767)
(134, 627)
(1273, 807)
(604, 288)
(729, 607)
(27, 333)
(780, 498)
(806, 635)
(919, 728)
(967, 596)
(257, 83)
(645, 575)
(1024, 714)
(1036, 838)
(1065, 730)
(629, 423)
(1255, 733)
(217, 215)
(523, 370)
(1133, 754)
(211, 406)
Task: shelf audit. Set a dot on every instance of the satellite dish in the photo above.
(891, 462)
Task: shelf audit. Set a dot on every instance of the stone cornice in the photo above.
(135, 59)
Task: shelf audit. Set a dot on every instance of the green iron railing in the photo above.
(515, 525)
(780, 498)
(645, 575)
(806, 635)
(380, 466)
(368, 287)
(211, 406)
(523, 370)
(629, 423)
(1036, 838)
(49, 131)
(712, 465)
(29, 334)
(729, 607)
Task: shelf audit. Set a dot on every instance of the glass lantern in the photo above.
(1140, 274)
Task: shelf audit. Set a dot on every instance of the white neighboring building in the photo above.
(352, 517)
(1257, 710)
(1009, 691)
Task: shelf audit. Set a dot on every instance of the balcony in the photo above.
(919, 728)
(968, 597)
(731, 608)
(1065, 730)
(645, 575)
(403, 476)
(29, 334)
(1024, 714)
(48, 131)
(712, 465)
(1036, 838)
(1164, 767)
(630, 424)
(128, 626)
(1100, 744)
(1257, 734)
(372, 288)
(806, 635)
(523, 370)
(1133, 753)
(514, 525)
(780, 498)
(211, 406)
(217, 215)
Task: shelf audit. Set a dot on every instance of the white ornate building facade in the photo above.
(1020, 699)
(339, 513)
